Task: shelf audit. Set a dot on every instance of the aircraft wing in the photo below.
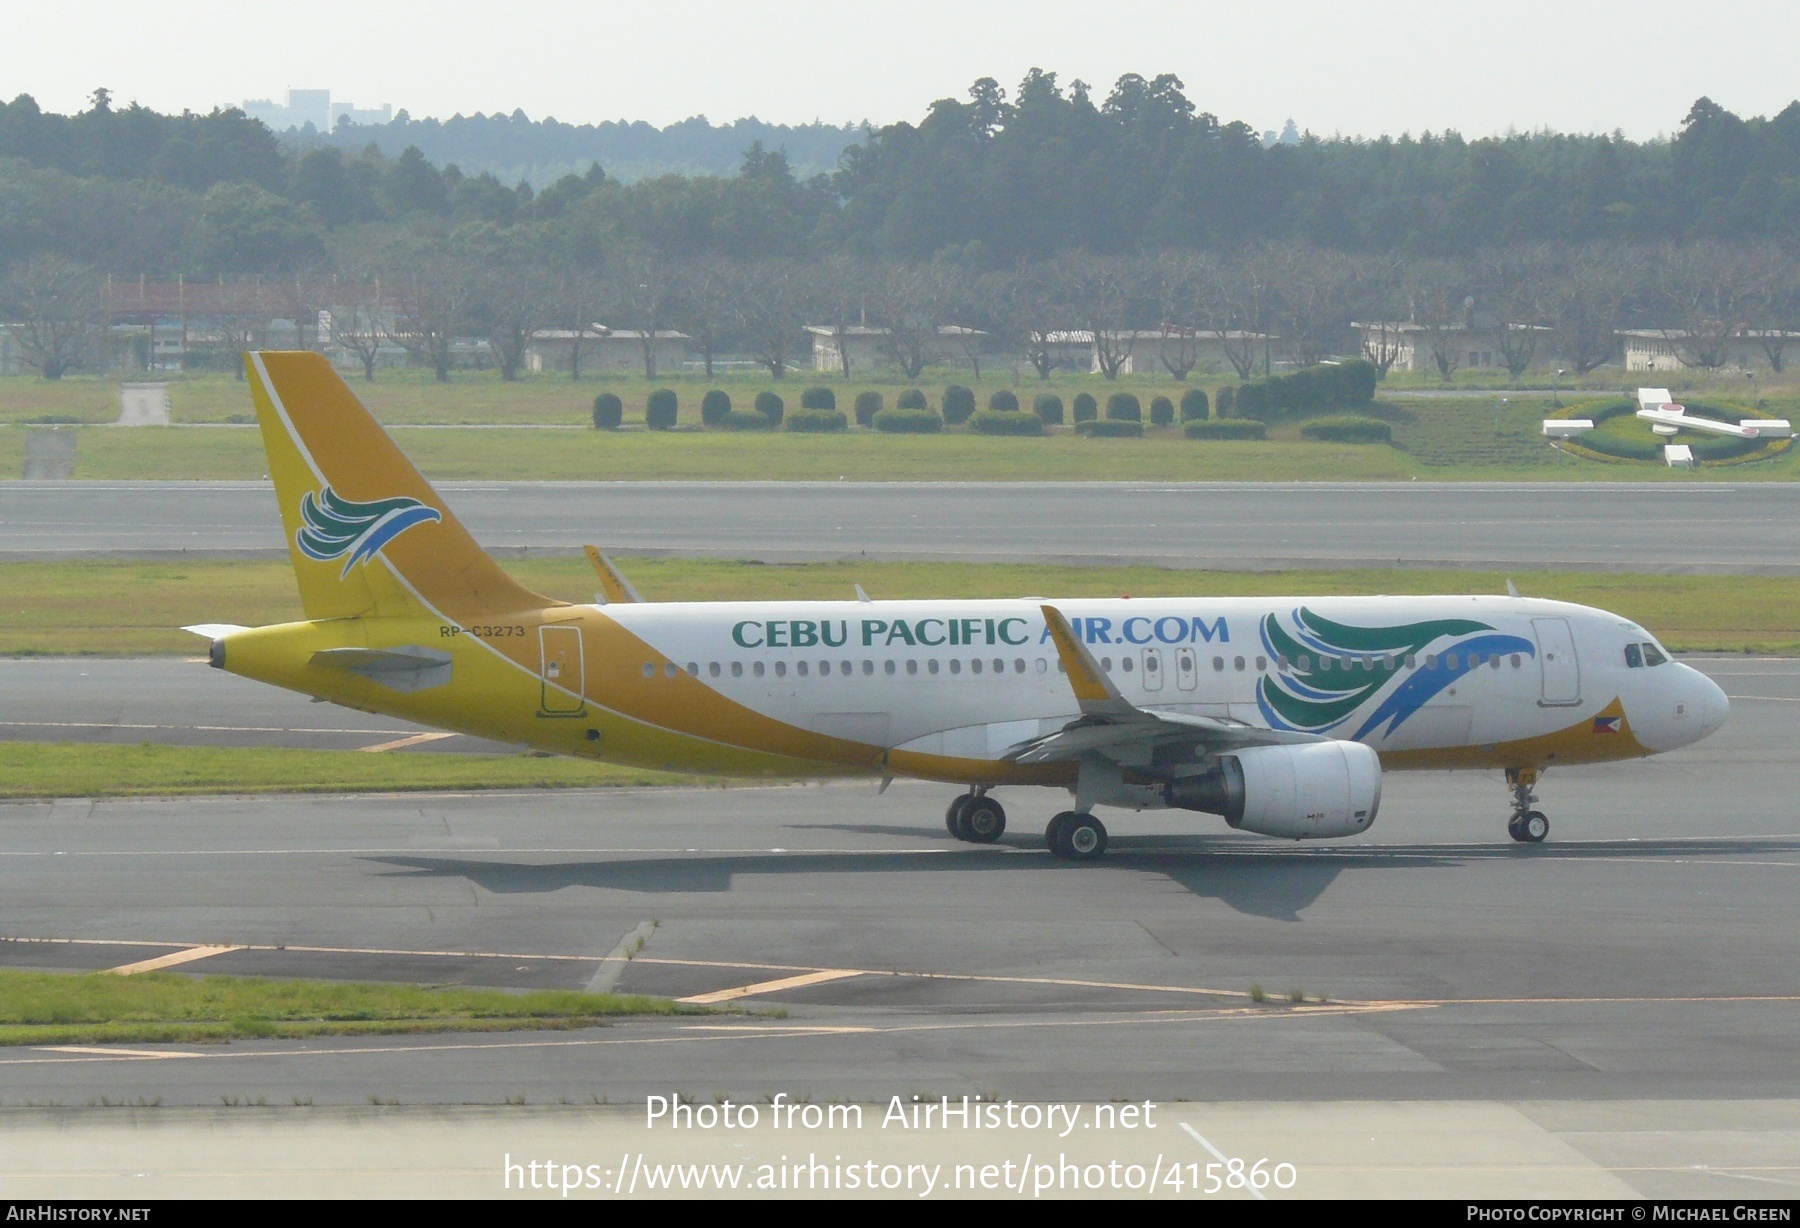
(1114, 728)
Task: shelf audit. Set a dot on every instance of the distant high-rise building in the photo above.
(313, 107)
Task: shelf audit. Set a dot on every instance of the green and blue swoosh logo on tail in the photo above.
(1334, 670)
(335, 526)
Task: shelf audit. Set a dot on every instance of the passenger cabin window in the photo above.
(1634, 656)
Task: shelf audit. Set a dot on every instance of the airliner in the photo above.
(1279, 715)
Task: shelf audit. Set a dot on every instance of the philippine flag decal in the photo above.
(1608, 724)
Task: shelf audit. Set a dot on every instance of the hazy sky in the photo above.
(1358, 68)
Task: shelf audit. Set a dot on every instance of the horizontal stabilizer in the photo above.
(214, 631)
(614, 587)
(406, 668)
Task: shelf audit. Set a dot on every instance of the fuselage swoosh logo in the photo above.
(1334, 671)
(338, 528)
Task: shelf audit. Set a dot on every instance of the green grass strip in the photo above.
(67, 769)
(131, 609)
(50, 1008)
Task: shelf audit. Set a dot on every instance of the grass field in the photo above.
(1474, 437)
(69, 769)
(127, 608)
(47, 1008)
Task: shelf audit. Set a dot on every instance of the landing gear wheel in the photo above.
(1076, 837)
(983, 820)
(953, 817)
(1533, 827)
(1515, 828)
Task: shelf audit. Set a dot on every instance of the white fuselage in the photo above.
(969, 679)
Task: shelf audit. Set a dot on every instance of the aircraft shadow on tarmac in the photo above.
(1274, 881)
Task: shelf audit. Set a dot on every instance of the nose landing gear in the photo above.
(1527, 826)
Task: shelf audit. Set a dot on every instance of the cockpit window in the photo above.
(1634, 657)
(1653, 655)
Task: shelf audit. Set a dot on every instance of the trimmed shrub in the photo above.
(1005, 401)
(1348, 428)
(959, 403)
(817, 421)
(868, 404)
(1124, 407)
(1005, 422)
(743, 420)
(908, 422)
(818, 398)
(771, 407)
(1326, 386)
(609, 411)
(1049, 408)
(912, 398)
(1193, 405)
(1162, 411)
(1086, 408)
(1225, 403)
(715, 407)
(659, 409)
(1109, 428)
(1230, 428)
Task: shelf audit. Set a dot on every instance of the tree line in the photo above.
(990, 181)
(1017, 217)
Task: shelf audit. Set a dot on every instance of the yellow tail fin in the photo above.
(367, 533)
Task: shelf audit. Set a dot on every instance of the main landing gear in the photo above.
(976, 818)
(1074, 836)
(1527, 826)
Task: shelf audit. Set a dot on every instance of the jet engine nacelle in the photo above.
(1312, 791)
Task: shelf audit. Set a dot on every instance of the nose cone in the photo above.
(1711, 702)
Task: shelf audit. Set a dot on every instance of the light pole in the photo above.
(1556, 389)
(1751, 376)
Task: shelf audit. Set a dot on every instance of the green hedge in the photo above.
(818, 397)
(743, 420)
(1193, 405)
(1124, 407)
(1225, 402)
(908, 422)
(1049, 408)
(1086, 408)
(609, 411)
(1327, 386)
(659, 409)
(771, 407)
(1004, 399)
(959, 403)
(1228, 428)
(1005, 422)
(1110, 428)
(817, 421)
(868, 404)
(715, 407)
(912, 398)
(1348, 428)
(1162, 411)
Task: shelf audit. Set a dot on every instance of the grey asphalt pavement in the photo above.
(1646, 951)
(1702, 527)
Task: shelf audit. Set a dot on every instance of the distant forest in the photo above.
(514, 147)
(989, 180)
(1016, 215)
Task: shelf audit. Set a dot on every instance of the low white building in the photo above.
(869, 347)
(1142, 351)
(1675, 349)
(1414, 347)
(605, 349)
